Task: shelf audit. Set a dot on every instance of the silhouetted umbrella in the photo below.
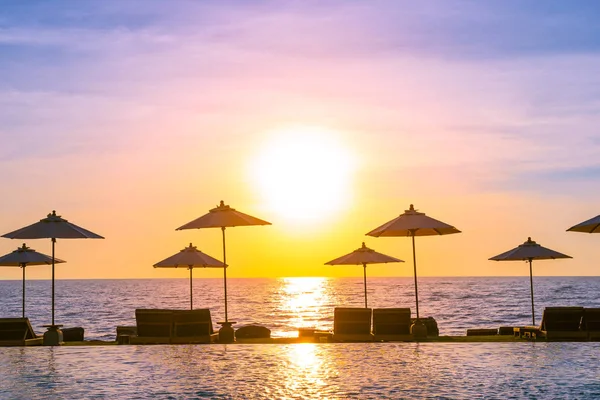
(223, 217)
(529, 251)
(190, 258)
(589, 226)
(364, 256)
(52, 227)
(22, 257)
(412, 223)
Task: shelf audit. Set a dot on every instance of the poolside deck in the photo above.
(292, 340)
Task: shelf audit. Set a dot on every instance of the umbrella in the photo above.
(364, 256)
(22, 257)
(190, 258)
(413, 223)
(589, 226)
(529, 251)
(52, 227)
(222, 217)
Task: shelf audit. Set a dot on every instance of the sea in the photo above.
(307, 370)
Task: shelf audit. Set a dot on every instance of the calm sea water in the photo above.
(301, 371)
(285, 304)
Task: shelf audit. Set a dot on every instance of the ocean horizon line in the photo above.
(306, 277)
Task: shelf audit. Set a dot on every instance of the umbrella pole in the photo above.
(531, 283)
(224, 272)
(23, 266)
(415, 267)
(191, 291)
(53, 242)
(365, 280)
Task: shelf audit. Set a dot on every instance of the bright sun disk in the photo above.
(304, 173)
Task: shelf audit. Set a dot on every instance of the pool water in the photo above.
(304, 371)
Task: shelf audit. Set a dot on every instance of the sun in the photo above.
(303, 173)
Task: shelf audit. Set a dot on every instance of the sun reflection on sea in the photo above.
(304, 300)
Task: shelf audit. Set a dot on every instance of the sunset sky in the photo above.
(132, 118)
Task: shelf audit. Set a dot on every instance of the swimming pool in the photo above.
(299, 371)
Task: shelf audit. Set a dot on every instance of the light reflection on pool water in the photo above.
(297, 371)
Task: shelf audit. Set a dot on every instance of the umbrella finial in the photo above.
(52, 217)
(222, 204)
(364, 246)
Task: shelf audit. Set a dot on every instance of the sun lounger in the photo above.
(18, 332)
(193, 326)
(560, 323)
(391, 324)
(352, 325)
(156, 326)
(590, 323)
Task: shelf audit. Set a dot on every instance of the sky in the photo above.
(326, 119)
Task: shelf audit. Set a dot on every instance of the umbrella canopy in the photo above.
(52, 227)
(413, 223)
(190, 258)
(589, 226)
(26, 255)
(364, 256)
(529, 251)
(223, 216)
(22, 257)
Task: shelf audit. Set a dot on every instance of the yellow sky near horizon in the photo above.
(139, 217)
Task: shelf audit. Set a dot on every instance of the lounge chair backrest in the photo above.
(391, 321)
(565, 319)
(351, 321)
(16, 329)
(154, 323)
(192, 323)
(591, 320)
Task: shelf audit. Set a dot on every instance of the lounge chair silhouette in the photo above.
(590, 323)
(391, 324)
(153, 326)
(18, 332)
(352, 324)
(562, 323)
(160, 326)
(193, 326)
